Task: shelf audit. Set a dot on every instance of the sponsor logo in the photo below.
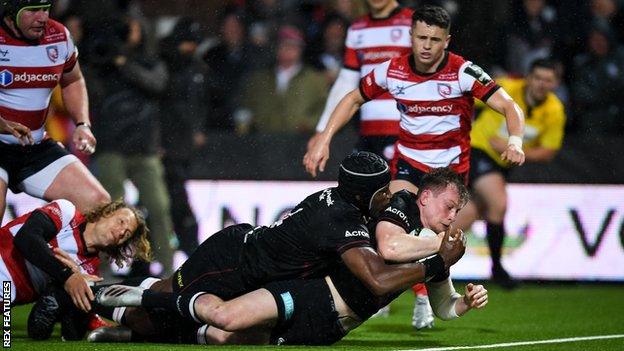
(396, 34)
(380, 55)
(179, 279)
(326, 195)
(6, 78)
(399, 213)
(418, 109)
(53, 53)
(444, 89)
(356, 233)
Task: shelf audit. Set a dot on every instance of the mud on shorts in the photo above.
(32, 168)
(307, 315)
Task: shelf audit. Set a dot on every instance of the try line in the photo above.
(522, 343)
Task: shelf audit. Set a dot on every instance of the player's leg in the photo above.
(147, 174)
(76, 184)
(184, 222)
(214, 336)
(491, 190)
(4, 180)
(254, 309)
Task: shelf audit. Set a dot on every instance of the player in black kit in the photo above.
(309, 310)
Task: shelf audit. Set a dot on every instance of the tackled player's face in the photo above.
(428, 43)
(31, 22)
(439, 208)
(540, 82)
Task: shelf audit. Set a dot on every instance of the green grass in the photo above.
(531, 313)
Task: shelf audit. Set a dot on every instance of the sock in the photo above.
(420, 289)
(495, 239)
(158, 299)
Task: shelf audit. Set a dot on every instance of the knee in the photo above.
(497, 209)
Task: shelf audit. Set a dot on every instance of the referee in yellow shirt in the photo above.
(543, 135)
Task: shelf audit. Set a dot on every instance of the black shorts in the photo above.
(402, 170)
(382, 145)
(20, 162)
(214, 266)
(307, 315)
(482, 164)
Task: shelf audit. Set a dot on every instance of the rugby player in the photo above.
(434, 90)
(320, 311)
(38, 55)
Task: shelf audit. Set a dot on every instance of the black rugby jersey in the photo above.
(401, 211)
(306, 242)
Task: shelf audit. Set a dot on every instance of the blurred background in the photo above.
(205, 118)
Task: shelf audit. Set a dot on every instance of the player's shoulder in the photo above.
(54, 32)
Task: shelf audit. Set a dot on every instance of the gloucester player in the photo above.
(434, 90)
(37, 54)
(376, 37)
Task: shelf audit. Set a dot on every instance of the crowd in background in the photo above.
(265, 66)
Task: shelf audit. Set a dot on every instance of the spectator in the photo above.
(329, 60)
(229, 62)
(128, 124)
(183, 118)
(532, 35)
(598, 84)
(289, 97)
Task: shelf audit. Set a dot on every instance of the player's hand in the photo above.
(316, 157)
(476, 296)
(313, 140)
(84, 140)
(513, 155)
(453, 246)
(66, 259)
(18, 130)
(78, 289)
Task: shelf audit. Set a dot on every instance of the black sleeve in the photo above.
(402, 211)
(32, 242)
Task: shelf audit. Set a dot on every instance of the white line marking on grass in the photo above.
(522, 343)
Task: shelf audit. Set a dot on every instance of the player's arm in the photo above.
(540, 154)
(347, 81)
(381, 278)
(32, 242)
(344, 111)
(501, 102)
(396, 245)
(448, 304)
(399, 218)
(76, 101)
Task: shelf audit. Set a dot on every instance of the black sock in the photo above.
(495, 239)
(158, 299)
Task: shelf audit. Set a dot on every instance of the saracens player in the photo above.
(36, 54)
(376, 37)
(320, 311)
(434, 91)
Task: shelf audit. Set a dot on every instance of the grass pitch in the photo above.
(531, 313)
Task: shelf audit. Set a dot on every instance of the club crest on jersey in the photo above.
(53, 53)
(444, 90)
(396, 34)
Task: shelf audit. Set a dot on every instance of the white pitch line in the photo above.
(522, 343)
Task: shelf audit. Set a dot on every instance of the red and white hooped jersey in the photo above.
(28, 74)
(27, 280)
(371, 41)
(436, 109)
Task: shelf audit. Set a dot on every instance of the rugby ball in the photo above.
(425, 232)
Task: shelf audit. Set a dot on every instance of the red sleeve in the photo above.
(369, 87)
(71, 63)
